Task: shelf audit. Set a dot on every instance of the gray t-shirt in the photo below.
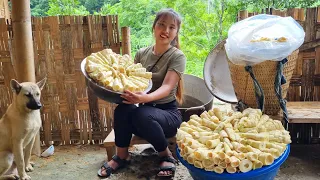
(172, 60)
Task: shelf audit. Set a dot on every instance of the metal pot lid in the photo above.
(217, 75)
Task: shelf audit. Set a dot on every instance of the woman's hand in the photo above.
(134, 98)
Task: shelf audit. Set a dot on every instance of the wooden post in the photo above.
(317, 88)
(283, 13)
(310, 24)
(126, 44)
(293, 12)
(275, 12)
(242, 15)
(301, 15)
(23, 53)
(268, 10)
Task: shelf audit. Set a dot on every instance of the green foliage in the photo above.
(138, 15)
(200, 31)
(204, 28)
(39, 7)
(66, 7)
(257, 5)
(95, 5)
(316, 4)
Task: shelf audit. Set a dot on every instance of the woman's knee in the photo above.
(141, 116)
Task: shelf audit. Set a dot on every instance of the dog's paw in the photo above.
(10, 177)
(16, 177)
(26, 177)
(29, 168)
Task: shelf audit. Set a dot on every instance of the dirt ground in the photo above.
(83, 161)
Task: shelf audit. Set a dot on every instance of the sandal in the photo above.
(171, 168)
(121, 164)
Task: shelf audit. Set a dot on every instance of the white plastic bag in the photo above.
(263, 37)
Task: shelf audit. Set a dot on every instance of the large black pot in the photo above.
(197, 98)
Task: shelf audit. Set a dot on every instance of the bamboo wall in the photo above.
(60, 44)
(305, 83)
(4, 9)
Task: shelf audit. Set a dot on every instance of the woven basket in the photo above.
(265, 73)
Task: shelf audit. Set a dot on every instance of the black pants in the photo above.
(151, 122)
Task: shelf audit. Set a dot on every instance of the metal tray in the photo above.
(103, 92)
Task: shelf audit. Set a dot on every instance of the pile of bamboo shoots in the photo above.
(117, 72)
(232, 141)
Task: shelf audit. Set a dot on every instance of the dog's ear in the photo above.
(15, 86)
(42, 83)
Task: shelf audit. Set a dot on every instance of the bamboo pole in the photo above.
(4, 6)
(21, 23)
(23, 48)
(126, 44)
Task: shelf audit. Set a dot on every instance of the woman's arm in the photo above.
(169, 82)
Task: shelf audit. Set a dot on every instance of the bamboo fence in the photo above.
(305, 82)
(71, 114)
(4, 9)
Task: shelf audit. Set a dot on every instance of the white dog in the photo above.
(18, 128)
